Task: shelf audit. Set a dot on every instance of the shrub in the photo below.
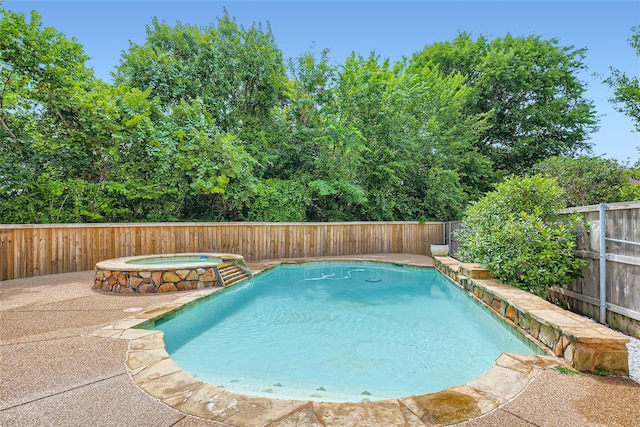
(516, 233)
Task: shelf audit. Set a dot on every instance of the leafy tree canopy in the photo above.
(238, 74)
(591, 180)
(626, 96)
(530, 91)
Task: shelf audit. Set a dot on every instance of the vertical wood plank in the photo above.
(4, 254)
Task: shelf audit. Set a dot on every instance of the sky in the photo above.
(393, 29)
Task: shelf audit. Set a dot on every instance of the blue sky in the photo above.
(390, 28)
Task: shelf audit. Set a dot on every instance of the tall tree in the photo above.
(317, 150)
(626, 96)
(421, 162)
(531, 91)
(49, 147)
(237, 73)
(373, 142)
(76, 149)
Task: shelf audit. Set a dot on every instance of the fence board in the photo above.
(4, 253)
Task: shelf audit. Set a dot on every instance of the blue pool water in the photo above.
(338, 332)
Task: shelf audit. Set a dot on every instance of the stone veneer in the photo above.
(143, 282)
(586, 345)
(121, 276)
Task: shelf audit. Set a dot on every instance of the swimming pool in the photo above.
(338, 331)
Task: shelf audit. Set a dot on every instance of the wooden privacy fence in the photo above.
(34, 250)
(620, 261)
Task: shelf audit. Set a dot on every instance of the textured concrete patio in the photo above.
(59, 369)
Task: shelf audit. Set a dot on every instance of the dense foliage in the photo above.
(185, 133)
(516, 233)
(591, 180)
(529, 89)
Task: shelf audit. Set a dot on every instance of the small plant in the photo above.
(603, 372)
(567, 371)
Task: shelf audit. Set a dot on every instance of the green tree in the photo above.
(590, 180)
(49, 145)
(421, 161)
(78, 149)
(209, 168)
(317, 149)
(373, 142)
(237, 73)
(310, 101)
(626, 95)
(219, 124)
(444, 138)
(530, 90)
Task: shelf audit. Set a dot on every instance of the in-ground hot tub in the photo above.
(168, 273)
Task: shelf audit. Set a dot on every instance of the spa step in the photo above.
(231, 274)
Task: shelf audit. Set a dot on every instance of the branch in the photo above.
(62, 118)
(4, 89)
(2, 121)
(5, 127)
(53, 106)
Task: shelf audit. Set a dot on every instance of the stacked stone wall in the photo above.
(143, 282)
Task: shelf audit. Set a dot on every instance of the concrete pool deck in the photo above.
(55, 371)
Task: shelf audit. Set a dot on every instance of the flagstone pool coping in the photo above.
(151, 368)
(584, 344)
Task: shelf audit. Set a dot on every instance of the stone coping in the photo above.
(585, 345)
(151, 368)
(124, 264)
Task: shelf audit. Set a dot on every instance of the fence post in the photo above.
(603, 264)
